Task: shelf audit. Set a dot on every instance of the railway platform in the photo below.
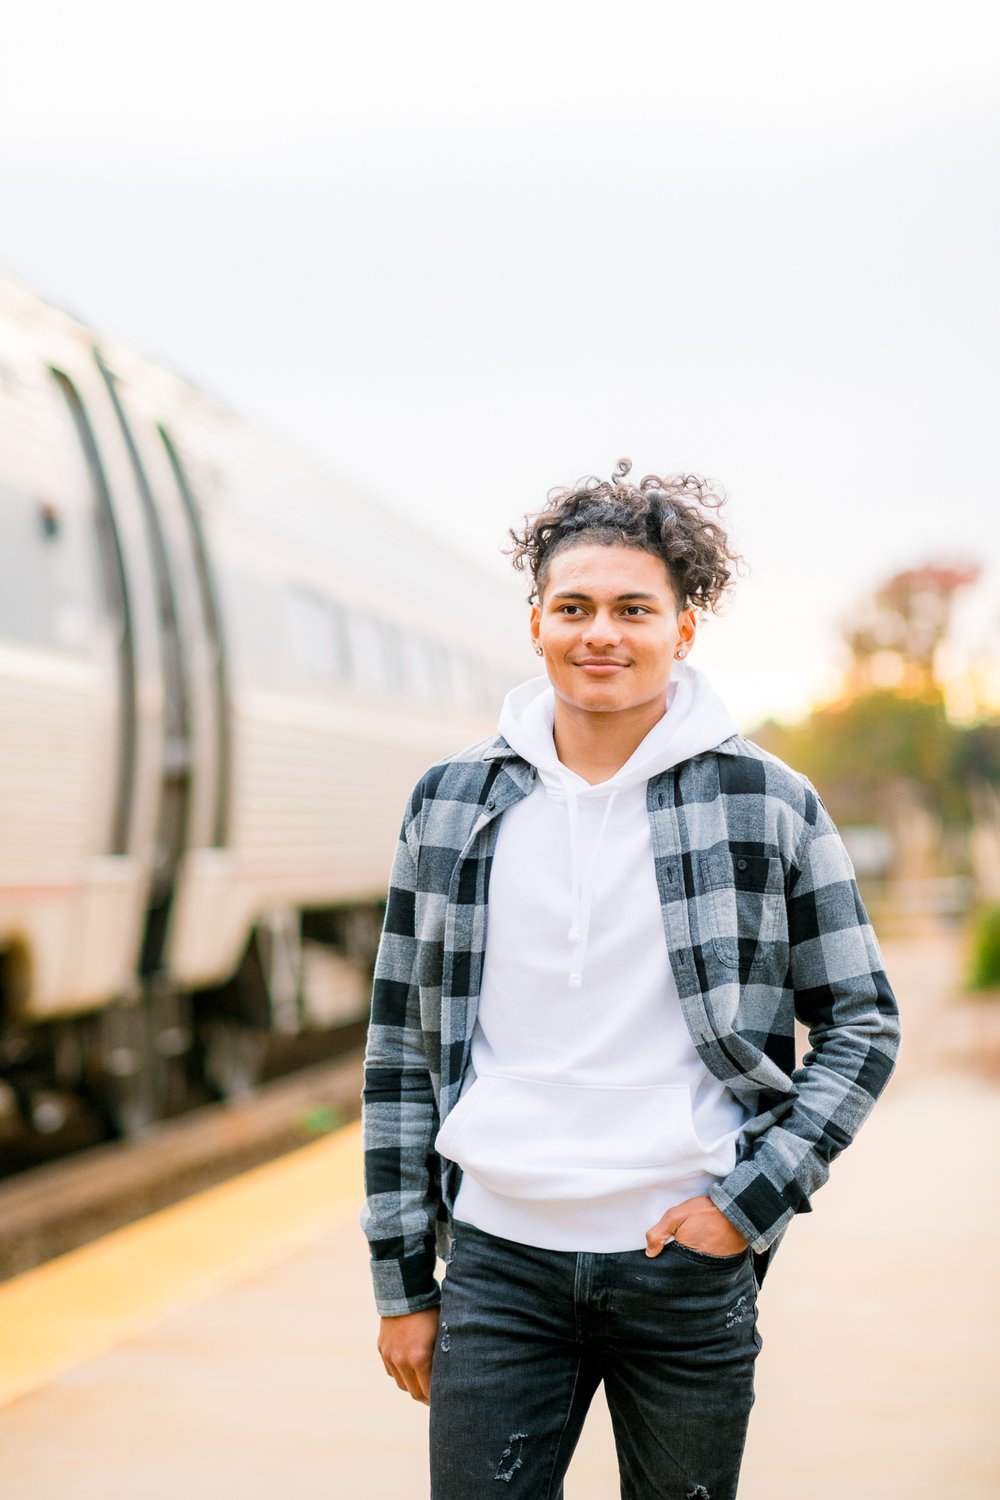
(225, 1345)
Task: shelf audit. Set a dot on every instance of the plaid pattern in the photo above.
(764, 923)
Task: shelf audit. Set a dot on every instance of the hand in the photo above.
(406, 1345)
(698, 1224)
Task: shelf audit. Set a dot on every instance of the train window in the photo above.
(318, 635)
(418, 667)
(341, 636)
(443, 685)
(371, 653)
(465, 684)
(34, 607)
(392, 647)
(256, 628)
(474, 685)
(49, 568)
(101, 559)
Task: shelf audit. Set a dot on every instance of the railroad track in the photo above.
(56, 1207)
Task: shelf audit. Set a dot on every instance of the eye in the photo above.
(565, 608)
(639, 609)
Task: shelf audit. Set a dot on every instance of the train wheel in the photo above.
(140, 1051)
(234, 1055)
(127, 1083)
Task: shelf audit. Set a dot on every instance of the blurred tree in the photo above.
(977, 754)
(888, 740)
(858, 749)
(894, 639)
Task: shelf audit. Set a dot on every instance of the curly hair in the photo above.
(664, 516)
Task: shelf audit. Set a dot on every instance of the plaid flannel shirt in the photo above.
(764, 923)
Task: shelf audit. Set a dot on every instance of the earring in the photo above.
(538, 651)
(680, 653)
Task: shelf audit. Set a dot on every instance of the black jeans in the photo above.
(527, 1336)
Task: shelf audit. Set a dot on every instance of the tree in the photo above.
(859, 749)
(887, 739)
(894, 640)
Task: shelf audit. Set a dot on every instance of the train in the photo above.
(222, 668)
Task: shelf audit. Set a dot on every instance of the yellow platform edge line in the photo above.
(88, 1300)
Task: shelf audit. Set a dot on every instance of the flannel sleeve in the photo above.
(842, 995)
(399, 1112)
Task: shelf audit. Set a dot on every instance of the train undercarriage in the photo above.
(151, 1054)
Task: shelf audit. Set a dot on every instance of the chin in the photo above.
(597, 700)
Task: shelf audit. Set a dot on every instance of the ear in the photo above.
(687, 628)
(535, 625)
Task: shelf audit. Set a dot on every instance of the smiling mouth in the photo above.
(599, 668)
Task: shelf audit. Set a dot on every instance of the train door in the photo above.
(172, 829)
(119, 605)
(172, 721)
(212, 730)
(128, 1045)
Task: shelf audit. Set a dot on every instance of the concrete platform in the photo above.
(879, 1374)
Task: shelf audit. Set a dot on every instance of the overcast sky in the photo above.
(467, 253)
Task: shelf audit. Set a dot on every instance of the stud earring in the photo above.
(680, 653)
(538, 650)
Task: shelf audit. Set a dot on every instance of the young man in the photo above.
(581, 1084)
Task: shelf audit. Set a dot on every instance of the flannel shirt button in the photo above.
(490, 806)
(741, 864)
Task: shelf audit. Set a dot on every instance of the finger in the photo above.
(417, 1384)
(658, 1236)
(410, 1379)
(424, 1378)
(390, 1370)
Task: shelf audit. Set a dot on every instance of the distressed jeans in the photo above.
(526, 1337)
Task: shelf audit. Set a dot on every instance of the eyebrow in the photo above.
(576, 594)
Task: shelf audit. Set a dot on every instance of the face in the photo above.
(609, 628)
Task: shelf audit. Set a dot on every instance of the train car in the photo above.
(221, 670)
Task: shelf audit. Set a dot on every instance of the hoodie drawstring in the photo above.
(582, 892)
(694, 720)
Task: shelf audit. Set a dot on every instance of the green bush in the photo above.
(320, 1119)
(986, 950)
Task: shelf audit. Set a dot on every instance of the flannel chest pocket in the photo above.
(745, 899)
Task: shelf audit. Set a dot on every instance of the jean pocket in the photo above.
(704, 1258)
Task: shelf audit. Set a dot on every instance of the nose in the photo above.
(601, 629)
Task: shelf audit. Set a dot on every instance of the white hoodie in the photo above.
(586, 1112)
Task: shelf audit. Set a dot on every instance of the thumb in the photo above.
(663, 1230)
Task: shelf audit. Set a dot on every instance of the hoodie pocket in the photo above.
(531, 1139)
(744, 896)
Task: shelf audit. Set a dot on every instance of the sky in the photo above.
(464, 254)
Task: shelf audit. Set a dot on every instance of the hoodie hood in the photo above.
(695, 720)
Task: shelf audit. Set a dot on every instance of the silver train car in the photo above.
(221, 670)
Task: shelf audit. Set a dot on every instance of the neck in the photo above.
(595, 745)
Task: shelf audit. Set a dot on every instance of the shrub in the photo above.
(985, 973)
